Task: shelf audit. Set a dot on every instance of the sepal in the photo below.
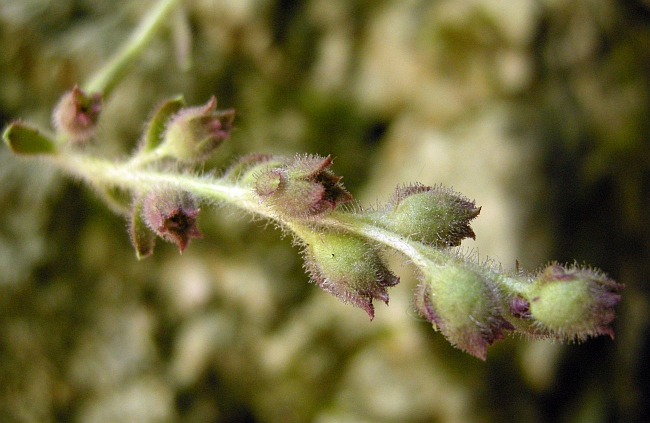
(194, 133)
(348, 267)
(25, 139)
(301, 187)
(142, 237)
(464, 305)
(158, 122)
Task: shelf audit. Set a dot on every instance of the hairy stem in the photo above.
(102, 173)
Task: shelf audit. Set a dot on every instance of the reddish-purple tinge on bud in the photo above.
(195, 132)
(77, 114)
(172, 215)
(349, 268)
(573, 302)
(433, 215)
(303, 186)
(519, 307)
(464, 306)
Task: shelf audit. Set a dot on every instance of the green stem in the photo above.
(103, 174)
(109, 75)
(357, 225)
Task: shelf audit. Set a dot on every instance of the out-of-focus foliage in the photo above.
(536, 109)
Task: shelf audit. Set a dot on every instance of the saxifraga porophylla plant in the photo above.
(472, 303)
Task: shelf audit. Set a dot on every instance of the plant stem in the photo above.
(357, 225)
(109, 75)
(102, 173)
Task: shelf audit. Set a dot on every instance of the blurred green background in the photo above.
(538, 110)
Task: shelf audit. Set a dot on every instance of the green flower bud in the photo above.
(464, 305)
(572, 303)
(195, 132)
(172, 214)
(432, 215)
(301, 187)
(348, 267)
(77, 114)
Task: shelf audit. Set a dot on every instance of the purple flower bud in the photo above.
(172, 214)
(77, 114)
(301, 187)
(195, 132)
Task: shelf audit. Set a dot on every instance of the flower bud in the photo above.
(431, 215)
(172, 214)
(462, 304)
(195, 132)
(301, 187)
(572, 303)
(349, 268)
(77, 114)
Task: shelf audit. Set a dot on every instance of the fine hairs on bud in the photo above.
(435, 216)
(301, 187)
(462, 303)
(572, 302)
(77, 114)
(349, 268)
(172, 215)
(194, 133)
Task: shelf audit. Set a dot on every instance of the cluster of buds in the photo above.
(301, 187)
(474, 307)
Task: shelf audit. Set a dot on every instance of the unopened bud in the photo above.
(349, 268)
(195, 132)
(172, 214)
(573, 302)
(464, 305)
(433, 215)
(303, 186)
(77, 114)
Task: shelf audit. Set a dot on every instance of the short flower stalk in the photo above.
(472, 302)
